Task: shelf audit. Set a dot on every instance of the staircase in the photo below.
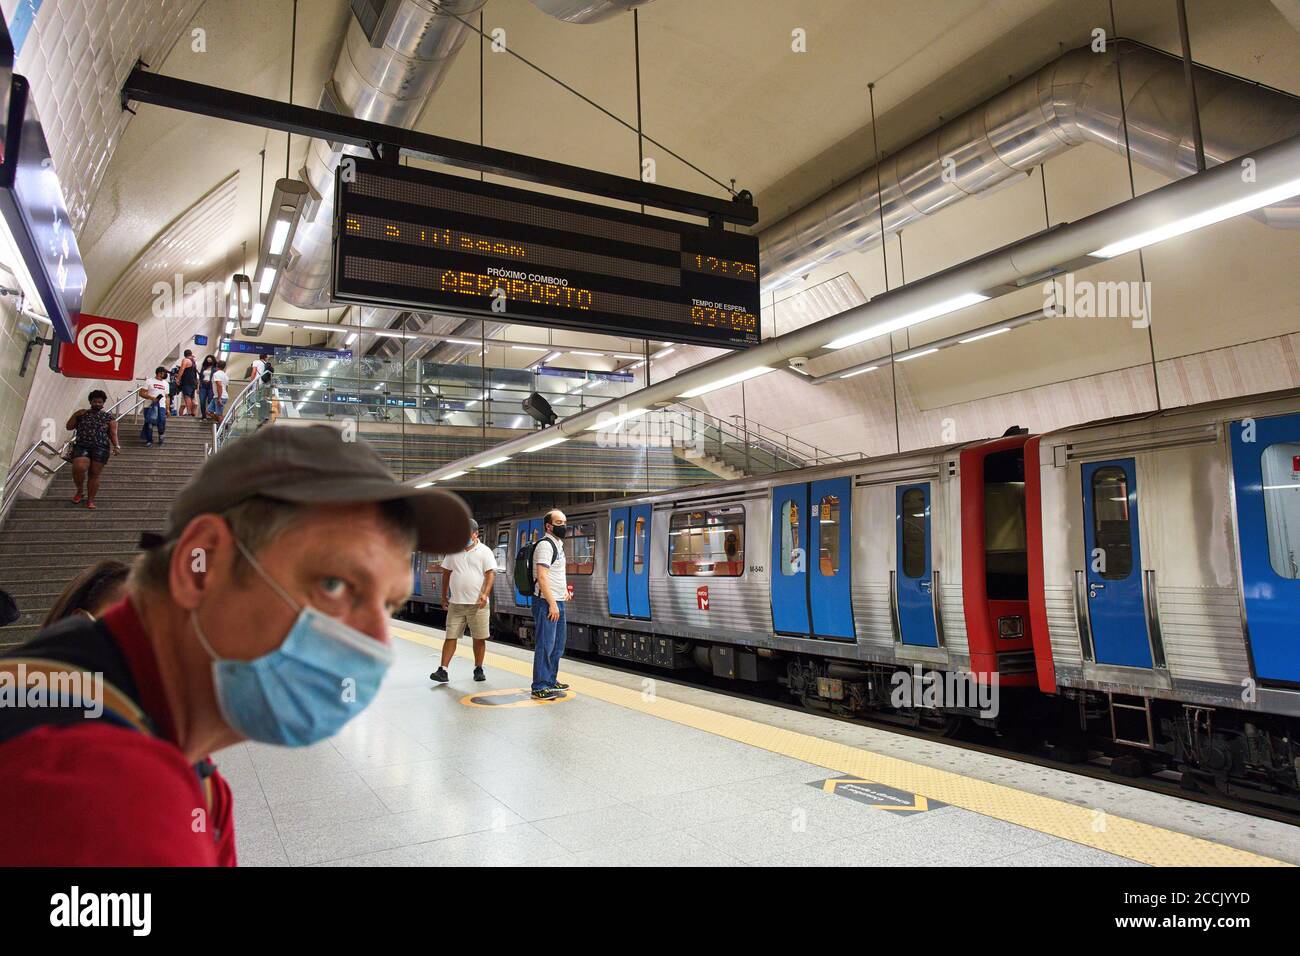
(46, 542)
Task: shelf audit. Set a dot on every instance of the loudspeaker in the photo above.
(540, 410)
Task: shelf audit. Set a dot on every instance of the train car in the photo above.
(1165, 583)
(831, 579)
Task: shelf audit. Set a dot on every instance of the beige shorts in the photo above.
(460, 616)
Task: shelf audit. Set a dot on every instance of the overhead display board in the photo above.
(423, 240)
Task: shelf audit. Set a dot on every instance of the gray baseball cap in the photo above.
(312, 465)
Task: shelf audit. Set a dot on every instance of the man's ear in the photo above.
(204, 553)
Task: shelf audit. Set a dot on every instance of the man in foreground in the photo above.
(262, 614)
(549, 598)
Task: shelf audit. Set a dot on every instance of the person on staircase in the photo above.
(154, 392)
(220, 390)
(189, 384)
(96, 433)
(206, 372)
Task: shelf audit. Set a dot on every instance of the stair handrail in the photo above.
(31, 458)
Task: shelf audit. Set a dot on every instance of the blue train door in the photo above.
(789, 575)
(417, 565)
(1113, 559)
(617, 562)
(1266, 477)
(914, 564)
(526, 532)
(811, 567)
(829, 539)
(637, 564)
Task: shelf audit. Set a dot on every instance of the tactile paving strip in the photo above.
(1128, 838)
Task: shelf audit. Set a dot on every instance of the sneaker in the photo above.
(90, 504)
(160, 441)
(545, 694)
(76, 499)
(148, 444)
(558, 686)
(440, 675)
(478, 674)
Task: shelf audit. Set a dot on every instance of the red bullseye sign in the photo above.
(702, 597)
(102, 348)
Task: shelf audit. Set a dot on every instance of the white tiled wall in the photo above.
(77, 56)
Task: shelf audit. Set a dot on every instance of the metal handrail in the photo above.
(30, 460)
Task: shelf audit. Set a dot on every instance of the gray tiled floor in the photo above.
(422, 780)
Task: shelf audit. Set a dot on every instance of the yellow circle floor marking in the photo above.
(515, 697)
(1143, 842)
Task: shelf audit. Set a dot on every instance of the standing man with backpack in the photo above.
(549, 596)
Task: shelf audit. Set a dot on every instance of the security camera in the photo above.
(799, 362)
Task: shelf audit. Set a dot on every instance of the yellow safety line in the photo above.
(1095, 828)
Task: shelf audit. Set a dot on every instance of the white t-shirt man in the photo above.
(258, 368)
(221, 384)
(549, 554)
(468, 571)
(157, 388)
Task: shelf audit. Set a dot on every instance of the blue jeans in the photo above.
(216, 406)
(550, 645)
(205, 397)
(154, 415)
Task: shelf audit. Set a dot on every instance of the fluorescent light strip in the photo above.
(624, 355)
(909, 319)
(1208, 217)
(869, 368)
(454, 474)
(529, 348)
(552, 357)
(230, 327)
(462, 341)
(908, 358)
(724, 382)
(258, 311)
(352, 337)
(493, 461)
(278, 235)
(268, 280)
(546, 444)
(592, 354)
(617, 419)
(984, 335)
(662, 352)
(285, 324)
(424, 484)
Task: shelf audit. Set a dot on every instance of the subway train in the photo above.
(1131, 583)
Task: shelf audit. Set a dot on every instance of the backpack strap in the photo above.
(118, 708)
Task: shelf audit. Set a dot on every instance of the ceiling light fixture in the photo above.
(1256, 199)
(546, 444)
(616, 419)
(908, 319)
(493, 461)
(908, 357)
(869, 368)
(724, 382)
(287, 203)
(984, 335)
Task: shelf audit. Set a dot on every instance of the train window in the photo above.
(616, 546)
(828, 523)
(1006, 558)
(790, 539)
(502, 548)
(638, 546)
(1110, 522)
(707, 543)
(913, 533)
(1280, 467)
(580, 548)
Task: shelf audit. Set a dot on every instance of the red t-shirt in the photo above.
(97, 794)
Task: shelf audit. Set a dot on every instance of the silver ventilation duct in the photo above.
(394, 56)
(1073, 100)
(586, 11)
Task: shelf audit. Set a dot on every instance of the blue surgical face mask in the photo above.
(322, 675)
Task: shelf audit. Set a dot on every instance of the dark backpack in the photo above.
(525, 580)
(267, 372)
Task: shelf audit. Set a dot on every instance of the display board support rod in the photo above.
(157, 90)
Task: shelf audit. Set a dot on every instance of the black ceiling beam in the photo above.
(158, 90)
